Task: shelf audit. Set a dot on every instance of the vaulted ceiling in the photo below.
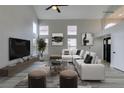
(73, 12)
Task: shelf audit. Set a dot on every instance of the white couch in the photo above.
(93, 71)
(71, 56)
(66, 57)
(74, 56)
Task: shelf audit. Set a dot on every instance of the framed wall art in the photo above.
(57, 39)
(87, 39)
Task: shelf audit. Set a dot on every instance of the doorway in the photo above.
(107, 49)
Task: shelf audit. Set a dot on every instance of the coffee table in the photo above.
(55, 63)
(55, 57)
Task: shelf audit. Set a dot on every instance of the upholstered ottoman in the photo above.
(68, 79)
(37, 79)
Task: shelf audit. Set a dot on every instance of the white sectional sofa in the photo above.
(80, 56)
(93, 71)
(70, 55)
(67, 55)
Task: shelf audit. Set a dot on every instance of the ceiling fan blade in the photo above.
(58, 10)
(49, 7)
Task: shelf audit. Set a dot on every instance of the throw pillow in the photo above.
(88, 59)
(78, 52)
(66, 52)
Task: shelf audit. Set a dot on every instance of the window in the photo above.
(47, 41)
(34, 28)
(109, 25)
(72, 30)
(43, 30)
(34, 38)
(46, 49)
(34, 47)
(72, 43)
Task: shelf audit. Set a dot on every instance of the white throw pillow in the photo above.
(73, 51)
(99, 61)
(96, 60)
(81, 53)
(85, 54)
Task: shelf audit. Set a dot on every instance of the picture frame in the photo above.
(57, 39)
(87, 39)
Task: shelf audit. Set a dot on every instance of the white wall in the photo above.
(15, 21)
(117, 46)
(93, 26)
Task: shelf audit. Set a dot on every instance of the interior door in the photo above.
(107, 49)
(117, 50)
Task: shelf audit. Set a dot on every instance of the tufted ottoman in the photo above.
(68, 79)
(37, 79)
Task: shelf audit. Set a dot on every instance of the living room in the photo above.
(65, 55)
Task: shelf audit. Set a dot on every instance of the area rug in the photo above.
(52, 80)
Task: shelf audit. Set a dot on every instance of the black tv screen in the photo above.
(18, 48)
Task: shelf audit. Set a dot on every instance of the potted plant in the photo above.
(41, 47)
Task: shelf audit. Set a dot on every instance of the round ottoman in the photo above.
(68, 79)
(37, 79)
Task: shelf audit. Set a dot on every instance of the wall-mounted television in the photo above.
(18, 48)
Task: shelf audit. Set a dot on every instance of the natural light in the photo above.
(109, 25)
(72, 30)
(44, 30)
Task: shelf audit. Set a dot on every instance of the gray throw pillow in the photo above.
(78, 52)
(88, 59)
(66, 52)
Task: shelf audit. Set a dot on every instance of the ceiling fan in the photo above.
(55, 7)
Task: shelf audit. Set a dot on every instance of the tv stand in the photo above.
(23, 59)
(11, 70)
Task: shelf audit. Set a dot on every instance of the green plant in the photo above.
(41, 45)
